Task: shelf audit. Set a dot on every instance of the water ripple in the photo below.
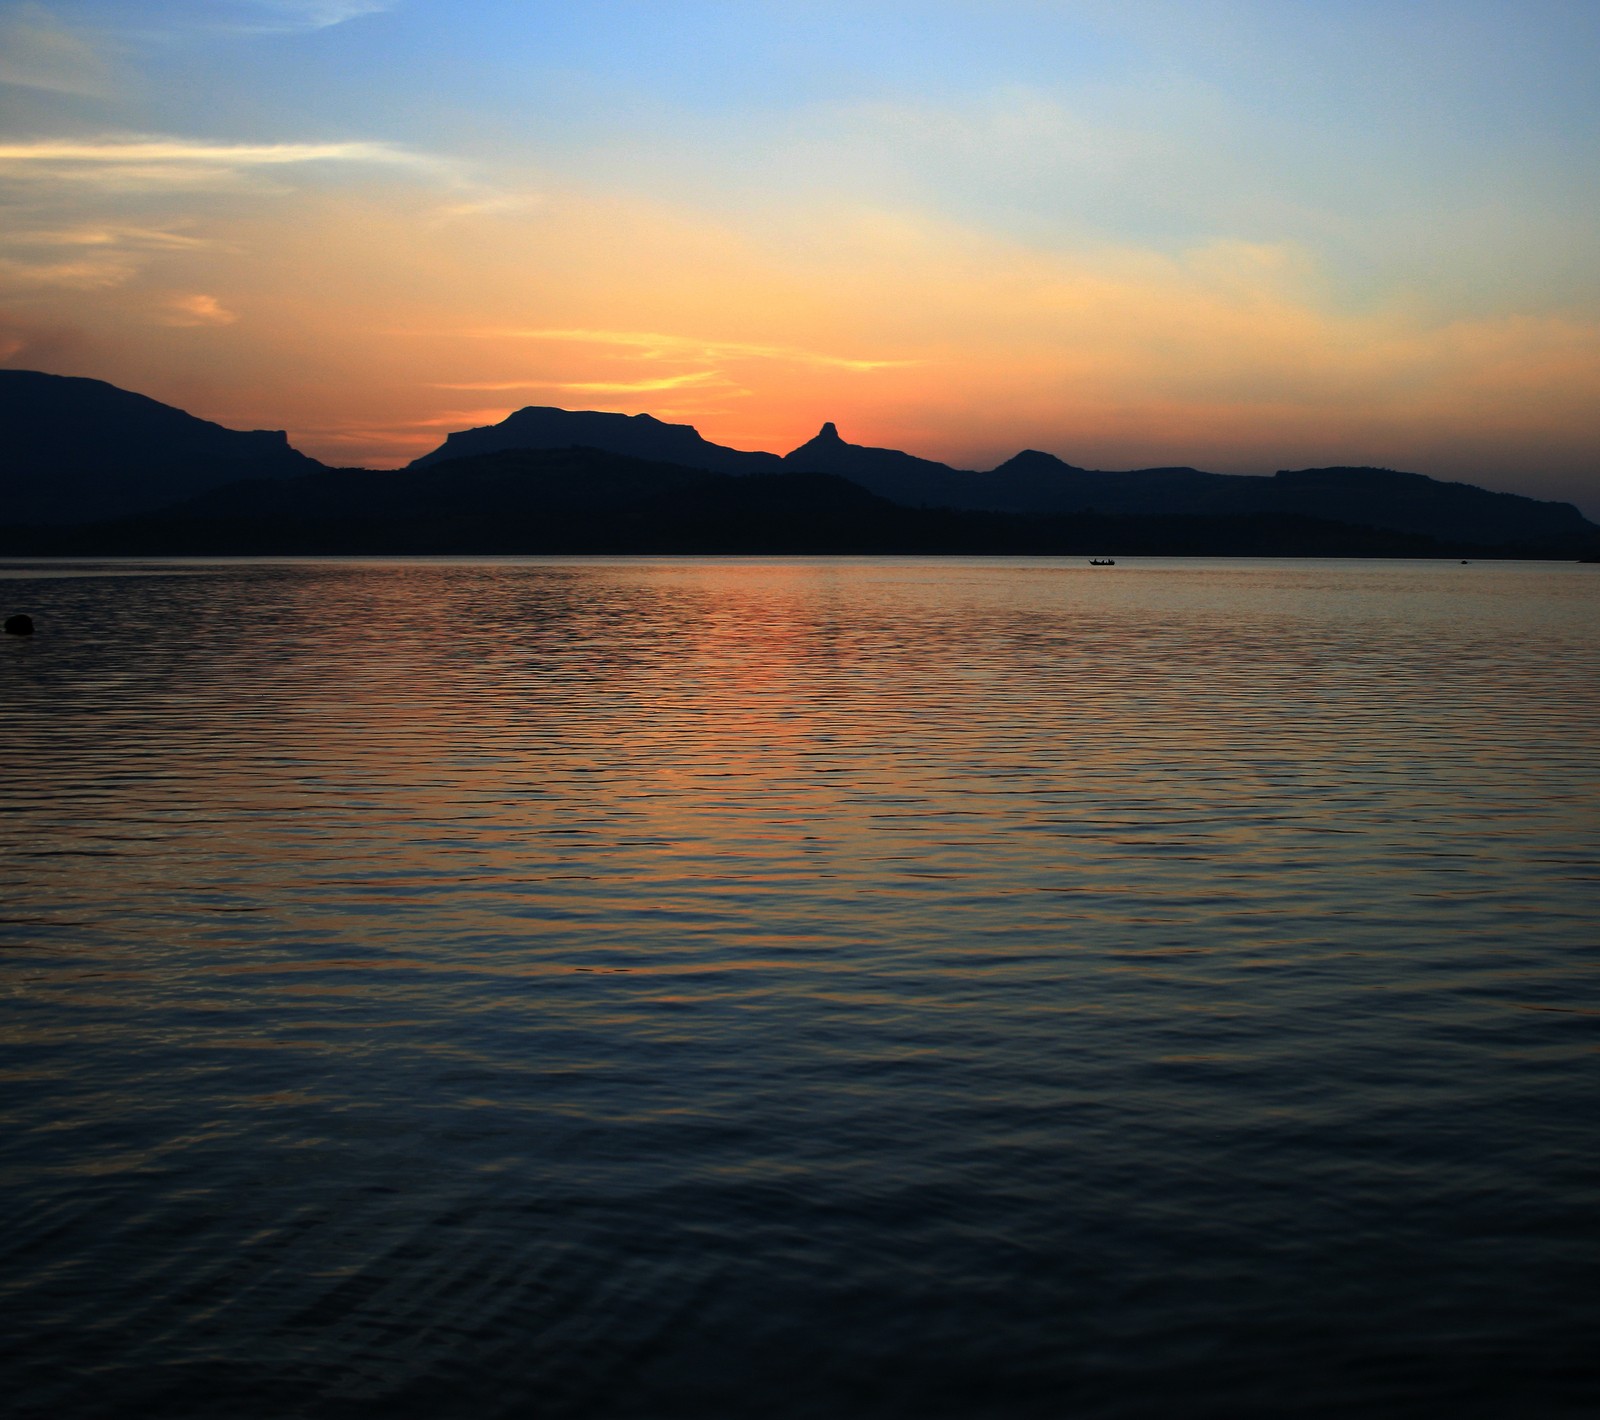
(704, 987)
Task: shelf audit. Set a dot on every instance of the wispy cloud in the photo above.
(668, 382)
(460, 418)
(38, 52)
(125, 163)
(323, 14)
(492, 204)
(89, 274)
(197, 310)
(145, 150)
(30, 342)
(88, 256)
(276, 17)
(102, 236)
(654, 345)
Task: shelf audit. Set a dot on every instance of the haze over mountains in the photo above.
(80, 452)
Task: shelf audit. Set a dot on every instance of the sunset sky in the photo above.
(1240, 235)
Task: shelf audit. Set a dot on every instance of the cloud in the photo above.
(261, 17)
(92, 274)
(30, 344)
(121, 161)
(456, 419)
(178, 150)
(88, 256)
(102, 235)
(38, 52)
(654, 345)
(667, 382)
(314, 14)
(198, 310)
(498, 204)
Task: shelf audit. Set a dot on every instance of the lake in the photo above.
(814, 987)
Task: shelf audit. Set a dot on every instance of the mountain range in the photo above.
(88, 466)
(79, 450)
(1034, 482)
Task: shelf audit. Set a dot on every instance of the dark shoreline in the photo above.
(588, 502)
(746, 517)
(180, 539)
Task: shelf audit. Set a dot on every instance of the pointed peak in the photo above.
(825, 444)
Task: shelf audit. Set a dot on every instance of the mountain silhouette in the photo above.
(828, 453)
(578, 500)
(640, 436)
(77, 450)
(1039, 483)
(81, 451)
(1380, 497)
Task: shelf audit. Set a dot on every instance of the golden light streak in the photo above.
(143, 150)
(654, 345)
(669, 382)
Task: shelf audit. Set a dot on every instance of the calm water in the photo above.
(800, 988)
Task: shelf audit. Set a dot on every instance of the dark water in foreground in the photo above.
(800, 988)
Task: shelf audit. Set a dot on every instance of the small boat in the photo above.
(1102, 561)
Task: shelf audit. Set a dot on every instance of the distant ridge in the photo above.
(1035, 482)
(640, 436)
(72, 450)
(78, 451)
(586, 501)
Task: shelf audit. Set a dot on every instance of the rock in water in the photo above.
(19, 625)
